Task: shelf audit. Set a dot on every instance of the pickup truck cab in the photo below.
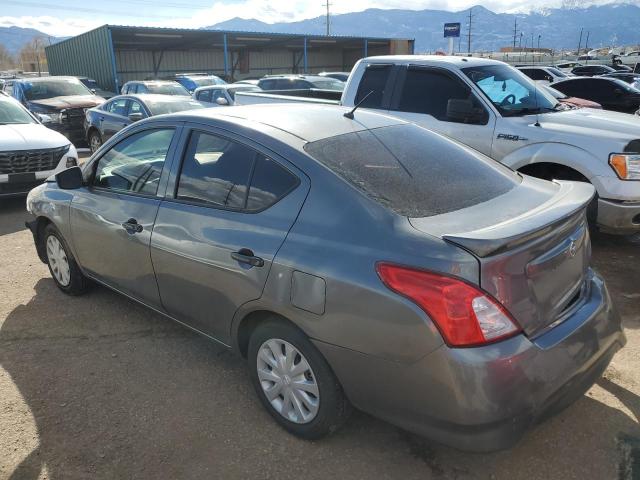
(497, 110)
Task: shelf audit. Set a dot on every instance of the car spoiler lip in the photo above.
(571, 198)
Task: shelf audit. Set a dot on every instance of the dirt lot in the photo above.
(98, 387)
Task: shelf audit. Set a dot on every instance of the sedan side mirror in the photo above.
(70, 179)
(223, 102)
(134, 117)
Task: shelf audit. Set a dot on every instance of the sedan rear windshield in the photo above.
(412, 171)
(167, 89)
(158, 108)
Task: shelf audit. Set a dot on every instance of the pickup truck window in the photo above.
(428, 91)
(374, 80)
(512, 92)
(413, 171)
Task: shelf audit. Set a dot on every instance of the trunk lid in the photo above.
(532, 244)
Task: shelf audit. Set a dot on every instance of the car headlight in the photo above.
(626, 165)
(51, 118)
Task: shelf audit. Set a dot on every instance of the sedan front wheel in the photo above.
(63, 267)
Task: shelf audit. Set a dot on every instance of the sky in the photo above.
(71, 17)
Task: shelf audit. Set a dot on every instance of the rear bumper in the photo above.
(615, 216)
(484, 399)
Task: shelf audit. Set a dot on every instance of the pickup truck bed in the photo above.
(288, 96)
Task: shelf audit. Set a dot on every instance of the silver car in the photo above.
(352, 259)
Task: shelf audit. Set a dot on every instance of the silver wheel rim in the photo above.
(58, 261)
(95, 142)
(287, 381)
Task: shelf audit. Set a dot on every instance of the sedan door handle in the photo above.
(244, 255)
(132, 226)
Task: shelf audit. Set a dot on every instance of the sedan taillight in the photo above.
(465, 315)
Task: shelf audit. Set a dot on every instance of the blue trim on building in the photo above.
(305, 63)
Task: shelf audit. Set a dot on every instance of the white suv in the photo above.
(29, 151)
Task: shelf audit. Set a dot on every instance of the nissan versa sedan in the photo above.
(347, 262)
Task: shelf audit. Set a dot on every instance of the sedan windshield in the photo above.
(12, 113)
(54, 88)
(512, 92)
(167, 89)
(159, 108)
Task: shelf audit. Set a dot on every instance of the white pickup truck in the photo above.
(495, 109)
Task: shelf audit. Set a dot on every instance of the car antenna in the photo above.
(537, 124)
(349, 114)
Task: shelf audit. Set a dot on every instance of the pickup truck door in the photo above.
(439, 100)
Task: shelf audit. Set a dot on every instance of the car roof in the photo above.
(41, 79)
(449, 60)
(295, 77)
(306, 122)
(153, 97)
(225, 86)
(153, 81)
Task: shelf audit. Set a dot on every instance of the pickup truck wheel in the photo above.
(294, 382)
(62, 265)
(95, 141)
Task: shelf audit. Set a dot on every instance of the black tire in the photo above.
(95, 141)
(78, 283)
(334, 408)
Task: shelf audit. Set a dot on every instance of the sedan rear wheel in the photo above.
(95, 141)
(294, 382)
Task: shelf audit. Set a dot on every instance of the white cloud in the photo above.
(270, 12)
(54, 26)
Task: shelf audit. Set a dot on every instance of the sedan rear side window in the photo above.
(222, 173)
(412, 171)
(135, 163)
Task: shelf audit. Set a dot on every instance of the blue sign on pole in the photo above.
(451, 30)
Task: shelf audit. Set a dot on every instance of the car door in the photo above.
(113, 118)
(204, 96)
(227, 211)
(112, 217)
(424, 96)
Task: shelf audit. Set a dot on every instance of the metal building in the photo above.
(113, 55)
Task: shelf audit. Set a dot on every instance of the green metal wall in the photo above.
(88, 55)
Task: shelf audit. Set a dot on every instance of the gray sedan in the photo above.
(353, 260)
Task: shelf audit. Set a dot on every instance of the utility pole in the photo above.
(580, 41)
(520, 44)
(586, 43)
(469, 33)
(515, 32)
(328, 4)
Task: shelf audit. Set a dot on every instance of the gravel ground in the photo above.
(98, 387)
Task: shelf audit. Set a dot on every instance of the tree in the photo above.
(32, 56)
(7, 62)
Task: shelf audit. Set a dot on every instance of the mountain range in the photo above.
(559, 28)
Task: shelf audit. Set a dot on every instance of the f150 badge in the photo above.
(513, 138)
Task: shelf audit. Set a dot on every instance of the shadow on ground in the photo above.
(13, 213)
(117, 391)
